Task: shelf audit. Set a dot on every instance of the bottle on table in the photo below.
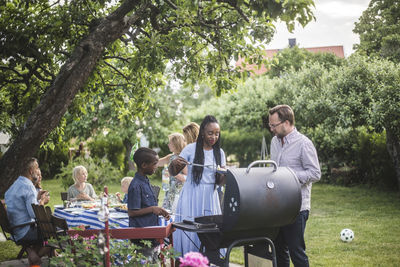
(165, 178)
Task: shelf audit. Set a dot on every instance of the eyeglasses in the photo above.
(275, 125)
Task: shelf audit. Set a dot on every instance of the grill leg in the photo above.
(250, 241)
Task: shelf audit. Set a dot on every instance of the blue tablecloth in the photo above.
(90, 219)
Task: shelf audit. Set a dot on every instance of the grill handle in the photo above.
(262, 162)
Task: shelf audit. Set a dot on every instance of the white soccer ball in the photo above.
(346, 235)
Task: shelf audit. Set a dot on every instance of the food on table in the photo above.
(88, 205)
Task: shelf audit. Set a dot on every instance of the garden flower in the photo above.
(193, 259)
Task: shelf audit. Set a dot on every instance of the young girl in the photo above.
(81, 190)
(175, 145)
(199, 196)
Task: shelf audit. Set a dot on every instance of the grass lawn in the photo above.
(373, 215)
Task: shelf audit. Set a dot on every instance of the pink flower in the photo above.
(193, 259)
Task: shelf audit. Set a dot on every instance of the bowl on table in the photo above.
(121, 207)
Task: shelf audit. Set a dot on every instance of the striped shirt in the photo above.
(299, 154)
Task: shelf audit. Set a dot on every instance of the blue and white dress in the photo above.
(172, 195)
(196, 199)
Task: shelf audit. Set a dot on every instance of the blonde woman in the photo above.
(81, 190)
(191, 131)
(176, 144)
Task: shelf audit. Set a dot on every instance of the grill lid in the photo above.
(263, 197)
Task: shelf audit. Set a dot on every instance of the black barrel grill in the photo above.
(257, 201)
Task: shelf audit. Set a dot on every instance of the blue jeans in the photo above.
(31, 235)
(289, 243)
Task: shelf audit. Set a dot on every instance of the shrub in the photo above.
(90, 251)
(51, 160)
(111, 147)
(372, 161)
(353, 156)
(245, 146)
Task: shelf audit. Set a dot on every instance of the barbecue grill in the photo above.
(257, 201)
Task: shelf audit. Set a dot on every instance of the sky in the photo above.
(333, 26)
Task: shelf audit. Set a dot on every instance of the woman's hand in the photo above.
(84, 196)
(177, 165)
(181, 177)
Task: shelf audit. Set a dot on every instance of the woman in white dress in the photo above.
(199, 196)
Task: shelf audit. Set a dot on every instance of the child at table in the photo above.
(143, 209)
(125, 182)
(142, 204)
(176, 144)
(81, 189)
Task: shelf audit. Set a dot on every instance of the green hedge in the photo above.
(353, 156)
(111, 147)
(243, 146)
(51, 160)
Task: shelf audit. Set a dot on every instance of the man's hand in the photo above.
(43, 197)
(161, 211)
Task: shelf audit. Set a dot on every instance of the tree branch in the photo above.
(13, 70)
(116, 70)
(117, 57)
(171, 4)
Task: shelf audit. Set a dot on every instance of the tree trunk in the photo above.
(393, 147)
(128, 147)
(72, 77)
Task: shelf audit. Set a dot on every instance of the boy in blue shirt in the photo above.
(143, 208)
(142, 204)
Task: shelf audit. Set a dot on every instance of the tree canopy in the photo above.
(379, 30)
(57, 56)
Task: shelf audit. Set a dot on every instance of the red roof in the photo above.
(337, 50)
(269, 53)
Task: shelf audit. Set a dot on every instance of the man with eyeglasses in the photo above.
(290, 148)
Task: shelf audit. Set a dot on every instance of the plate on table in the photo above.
(121, 210)
(118, 215)
(58, 206)
(77, 212)
(89, 205)
(73, 209)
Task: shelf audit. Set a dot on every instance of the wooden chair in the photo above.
(51, 227)
(8, 230)
(64, 196)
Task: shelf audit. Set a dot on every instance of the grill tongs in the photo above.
(179, 163)
(197, 227)
(201, 225)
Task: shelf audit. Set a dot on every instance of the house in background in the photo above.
(270, 53)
